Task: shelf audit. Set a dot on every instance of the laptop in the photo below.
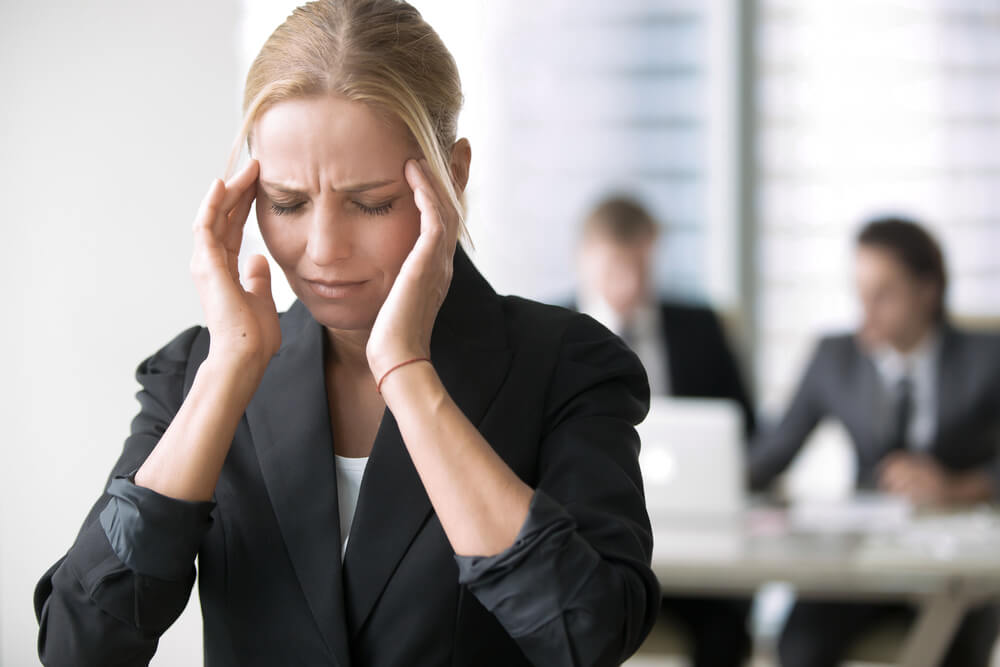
(692, 459)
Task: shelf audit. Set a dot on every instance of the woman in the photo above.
(404, 468)
(920, 399)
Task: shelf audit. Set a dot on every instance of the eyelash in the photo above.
(383, 209)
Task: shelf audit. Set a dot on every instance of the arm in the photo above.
(129, 573)
(774, 450)
(565, 566)
(93, 606)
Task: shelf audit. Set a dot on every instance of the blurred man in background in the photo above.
(681, 345)
(920, 399)
(685, 354)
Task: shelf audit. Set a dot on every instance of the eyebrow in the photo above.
(358, 187)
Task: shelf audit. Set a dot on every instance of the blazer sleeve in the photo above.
(774, 449)
(129, 573)
(576, 586)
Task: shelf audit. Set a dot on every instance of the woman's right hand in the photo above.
(242, 319)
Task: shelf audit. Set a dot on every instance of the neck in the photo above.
(348, 349)
(914, 339)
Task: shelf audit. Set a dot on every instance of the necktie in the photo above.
(902, 414)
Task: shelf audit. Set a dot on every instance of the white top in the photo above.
(921, 366)
(349, 474)
(645, 336)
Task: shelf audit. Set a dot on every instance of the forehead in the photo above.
(328, 140)
(878, 262)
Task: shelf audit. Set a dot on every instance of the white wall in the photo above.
(114, 117)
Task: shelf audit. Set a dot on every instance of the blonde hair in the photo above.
(378, 52)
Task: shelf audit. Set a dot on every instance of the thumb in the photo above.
(257, 276)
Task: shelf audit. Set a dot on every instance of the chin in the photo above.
(344, 316)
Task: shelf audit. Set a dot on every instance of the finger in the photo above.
(421, 178)
(430, 219)
(237, 186)
(239, 183)
(449, 216)
(237, 220)
(209, 206)
(257, 276)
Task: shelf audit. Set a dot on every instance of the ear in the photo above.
(929, 294)
(461, 158)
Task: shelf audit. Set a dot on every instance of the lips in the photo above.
(335, 289)
(336, 283)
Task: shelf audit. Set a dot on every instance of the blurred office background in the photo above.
(760, 133)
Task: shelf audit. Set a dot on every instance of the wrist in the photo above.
(239, 375)
(410, 382)
(383, 363)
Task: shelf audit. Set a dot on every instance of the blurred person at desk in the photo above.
(920, 400)
(685, 353)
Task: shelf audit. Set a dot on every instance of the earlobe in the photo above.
(461, 158)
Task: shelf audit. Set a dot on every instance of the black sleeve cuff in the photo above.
(152, 534)
(537, 578)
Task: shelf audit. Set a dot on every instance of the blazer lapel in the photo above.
(290, 424)
(468, 349)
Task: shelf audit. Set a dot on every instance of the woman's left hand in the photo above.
(402, 329)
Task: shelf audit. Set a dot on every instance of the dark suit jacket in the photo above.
(842, 382)
(554, 393)
(699, 362)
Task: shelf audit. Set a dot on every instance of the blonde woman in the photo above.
(402, 469)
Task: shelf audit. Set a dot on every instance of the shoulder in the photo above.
(697, 318)
(533, 323)
(581, 354)
(689, 310)
(836, 348)
(980, 347)
(173, 357)
(183, 353)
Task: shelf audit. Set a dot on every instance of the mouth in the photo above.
(335, 289)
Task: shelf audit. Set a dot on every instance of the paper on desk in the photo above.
(862, 513)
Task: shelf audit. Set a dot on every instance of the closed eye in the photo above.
(381, 209)
(285, 210)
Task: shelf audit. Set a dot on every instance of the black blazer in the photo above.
(553, 392)
(842, 382)
(698, 360)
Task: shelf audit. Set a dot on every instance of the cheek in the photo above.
(388, 240)
(280, 238)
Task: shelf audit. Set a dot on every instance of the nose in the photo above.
(330, 239)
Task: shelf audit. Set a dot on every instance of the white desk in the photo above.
(943, 564)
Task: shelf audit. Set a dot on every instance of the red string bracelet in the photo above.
(378, 387)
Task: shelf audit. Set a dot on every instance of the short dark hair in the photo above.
(914, 247)
(622, 219)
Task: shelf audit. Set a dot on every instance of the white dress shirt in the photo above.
(643, 333)
(350, 471)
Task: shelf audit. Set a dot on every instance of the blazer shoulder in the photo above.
(839, 346)
(687, 309)
(173, 357)
(979, 350)
(547, 324)
(581, 352)
(986, 341)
